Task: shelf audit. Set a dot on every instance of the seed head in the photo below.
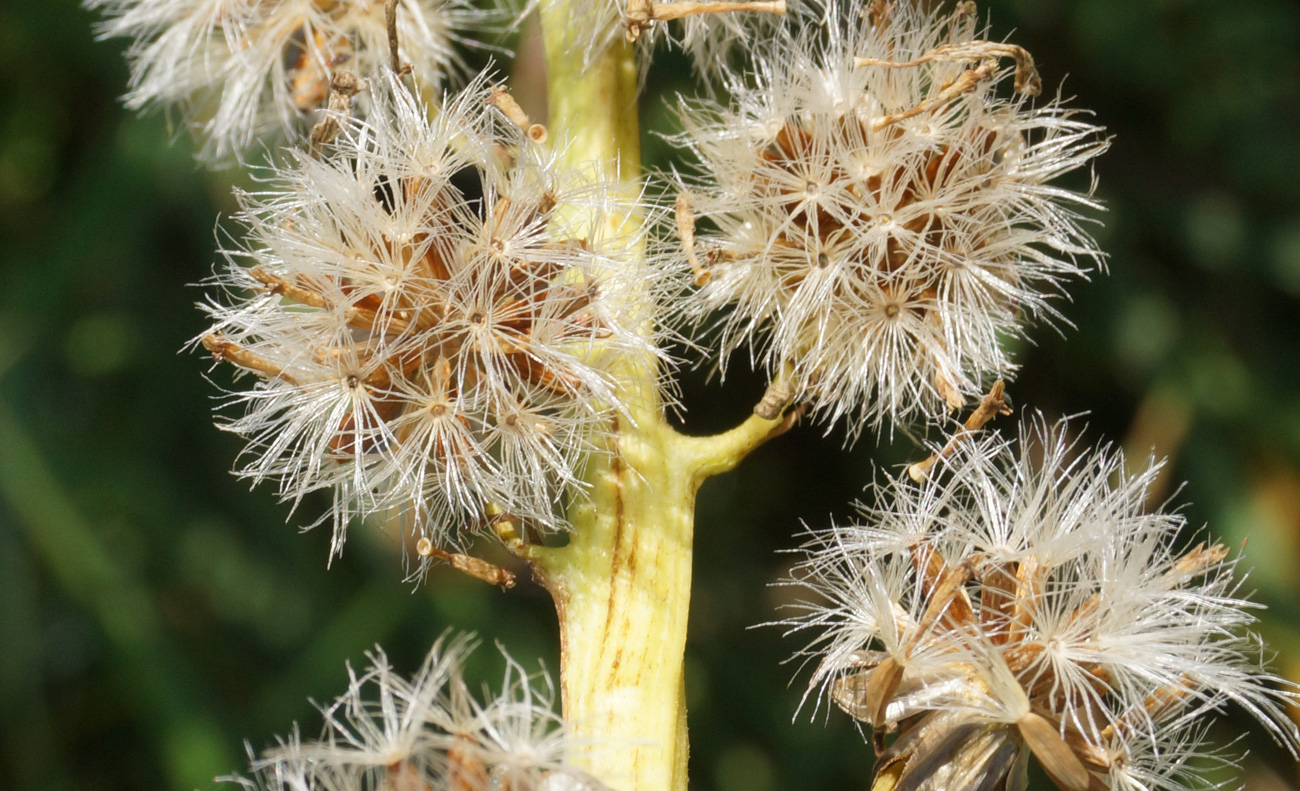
(243, 71)
(876, 216)
(1009, 608)
(429, 333)
(387, 732)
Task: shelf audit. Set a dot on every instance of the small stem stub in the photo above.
(390, 19)
(990, 406)
(777, 397)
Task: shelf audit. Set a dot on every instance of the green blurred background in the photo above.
(154, 613)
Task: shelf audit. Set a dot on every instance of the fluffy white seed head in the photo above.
(872, 230)
(428, 331)
(243, 72)
(429, 731)
(1023, 601)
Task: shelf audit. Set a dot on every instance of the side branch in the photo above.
(225, 350)
(510, 531)
(686, 232)
(709, 456)
(966, 83)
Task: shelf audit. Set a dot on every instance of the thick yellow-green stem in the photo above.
(622, 584)
(622, 590)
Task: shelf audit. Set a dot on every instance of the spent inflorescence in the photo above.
(429, 732)
(1007, 607)
(245, 73)
(430, 330)
(875, 216)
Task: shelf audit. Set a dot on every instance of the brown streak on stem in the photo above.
(616, 561)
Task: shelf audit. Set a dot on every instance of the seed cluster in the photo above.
(245, 71)
(430, 732)
(1009, 609)
(430, 333)
(874, 217)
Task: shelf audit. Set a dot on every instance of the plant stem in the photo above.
(622, 583)
(622, 590)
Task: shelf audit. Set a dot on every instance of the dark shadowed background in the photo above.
(154, 613)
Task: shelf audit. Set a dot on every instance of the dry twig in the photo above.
(479, 569)
(642, 14)
(990, 406)
(686, 231)
(1026, 79)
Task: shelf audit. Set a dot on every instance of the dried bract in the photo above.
(1005, 608)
